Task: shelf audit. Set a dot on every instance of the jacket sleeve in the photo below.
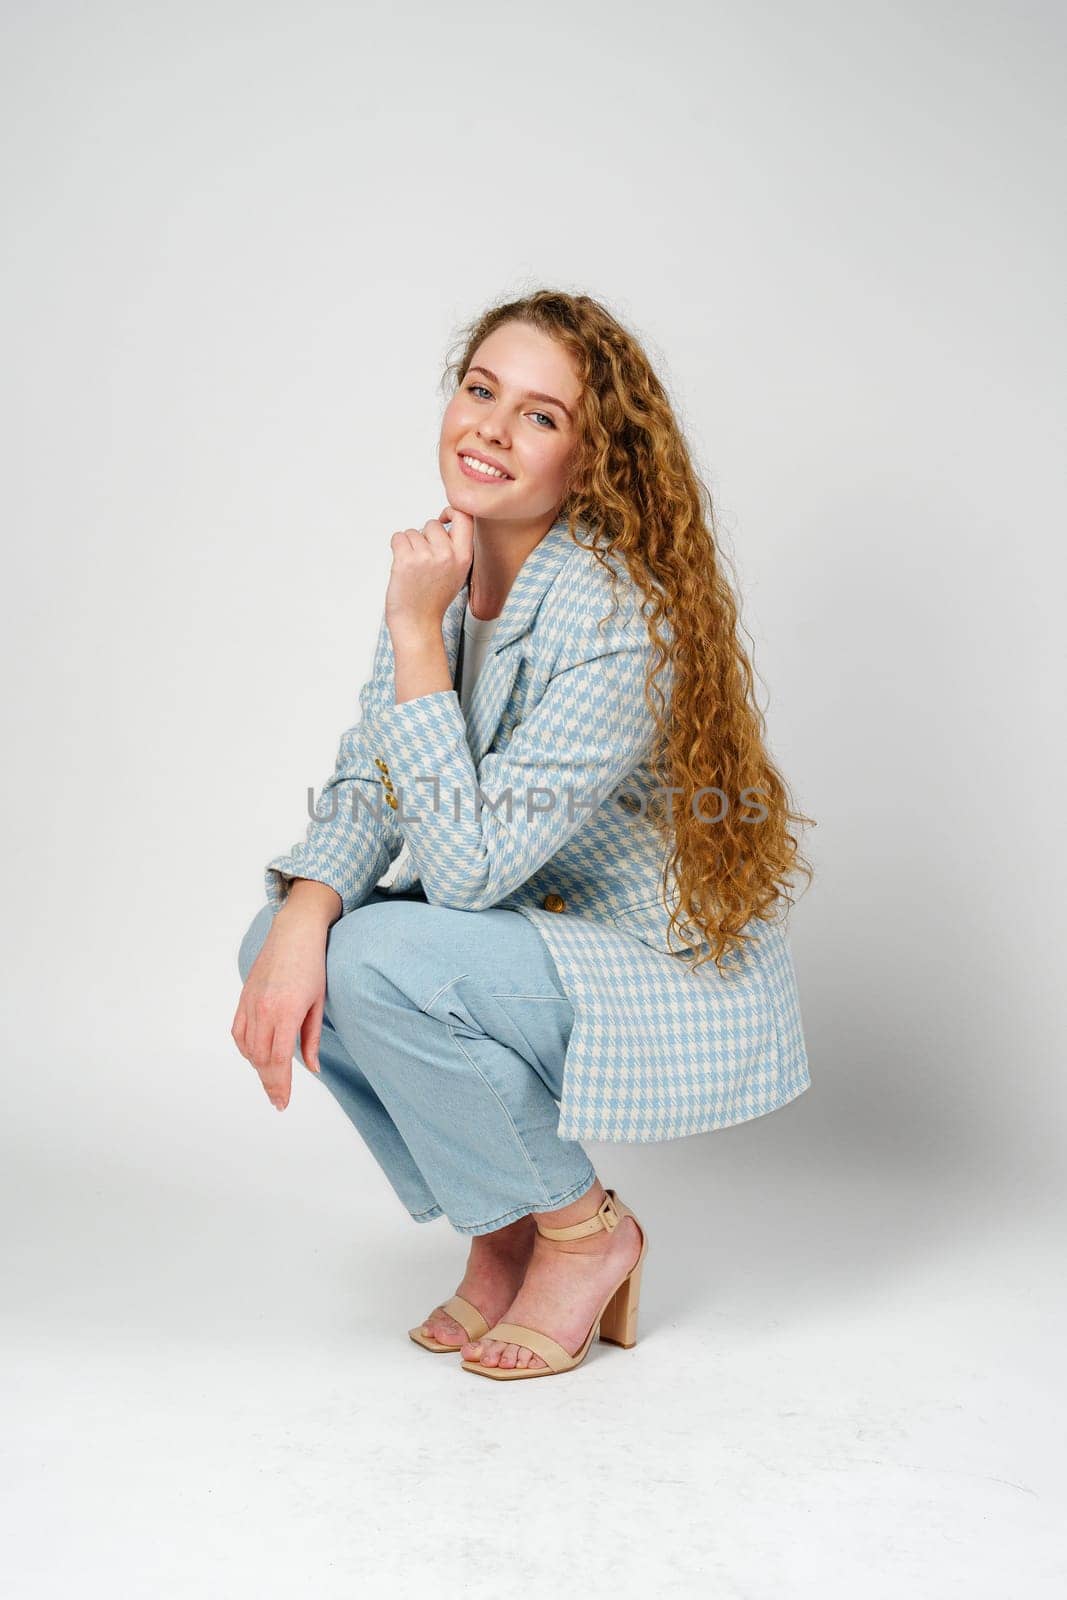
(354, 837)
(590, 729)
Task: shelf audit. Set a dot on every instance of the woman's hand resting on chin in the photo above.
(430, 567)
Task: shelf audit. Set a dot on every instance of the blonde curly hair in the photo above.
(633, 487)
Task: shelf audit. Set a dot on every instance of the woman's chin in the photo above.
(465, 503)
(461, 497)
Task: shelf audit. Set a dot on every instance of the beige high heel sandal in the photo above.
(615, 1322)
(461, 1311)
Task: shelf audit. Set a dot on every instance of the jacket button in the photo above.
(554, 902)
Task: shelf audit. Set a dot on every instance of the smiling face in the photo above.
(514, 410)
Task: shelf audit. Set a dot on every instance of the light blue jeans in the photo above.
(443, 1039)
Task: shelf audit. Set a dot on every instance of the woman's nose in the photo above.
(495, 428)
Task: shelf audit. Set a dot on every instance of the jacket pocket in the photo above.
(647, 920)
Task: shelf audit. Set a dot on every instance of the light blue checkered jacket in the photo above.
(534, 801)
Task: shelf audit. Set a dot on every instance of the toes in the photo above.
(521, 1357)
(440, 1326)
(491, 1353)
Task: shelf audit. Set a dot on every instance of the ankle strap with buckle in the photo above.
(606, 1217)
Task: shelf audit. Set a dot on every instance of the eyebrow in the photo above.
(531, 394)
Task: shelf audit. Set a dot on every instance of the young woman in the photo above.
(559, 754)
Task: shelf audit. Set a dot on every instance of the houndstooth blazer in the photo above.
(535, 801)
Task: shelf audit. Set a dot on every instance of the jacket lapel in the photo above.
(496, 680)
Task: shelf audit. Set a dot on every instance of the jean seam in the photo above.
(439, 992)
(503, 1106)
(531, 1164)
(509, 994)
(497, 994)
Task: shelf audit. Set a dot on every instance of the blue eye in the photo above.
(472, 386)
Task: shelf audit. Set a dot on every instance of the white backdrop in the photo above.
(240, 241)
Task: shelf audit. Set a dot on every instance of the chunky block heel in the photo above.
(618, 1324)
(616, 1321)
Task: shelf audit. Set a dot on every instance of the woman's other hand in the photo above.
(283, 997)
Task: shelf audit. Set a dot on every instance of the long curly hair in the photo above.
(633, 487)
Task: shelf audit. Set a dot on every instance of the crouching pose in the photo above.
(542, 897)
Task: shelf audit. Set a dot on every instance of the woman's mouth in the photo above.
(473, 468)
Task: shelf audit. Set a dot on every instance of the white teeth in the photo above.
(480, 466)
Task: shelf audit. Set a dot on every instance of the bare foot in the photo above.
(495, 1269)
(565, 1286)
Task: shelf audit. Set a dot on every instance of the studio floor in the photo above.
(210, 1392)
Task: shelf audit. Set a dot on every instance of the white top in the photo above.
(477, 635)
